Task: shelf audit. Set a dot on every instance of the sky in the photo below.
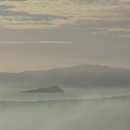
(45, 34)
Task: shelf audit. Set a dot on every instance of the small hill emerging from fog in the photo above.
(45, 90)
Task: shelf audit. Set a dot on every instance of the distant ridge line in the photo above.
(65, 68)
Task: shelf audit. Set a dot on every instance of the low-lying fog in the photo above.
(16, 94)
(75, 109)
(92, 114)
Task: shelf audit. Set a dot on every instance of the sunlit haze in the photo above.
(45, 34)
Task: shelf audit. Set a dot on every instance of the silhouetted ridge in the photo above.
(72, 77)
(49, 89)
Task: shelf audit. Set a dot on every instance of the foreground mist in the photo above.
(91, 114)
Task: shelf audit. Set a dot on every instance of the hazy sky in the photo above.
(42, 34)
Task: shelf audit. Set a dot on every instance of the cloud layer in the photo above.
(108, 15)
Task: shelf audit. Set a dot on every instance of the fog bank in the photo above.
(95, 114)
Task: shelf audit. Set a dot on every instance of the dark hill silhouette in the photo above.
(76, 76)
(49, 89)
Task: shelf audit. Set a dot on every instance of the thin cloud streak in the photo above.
(35, 42)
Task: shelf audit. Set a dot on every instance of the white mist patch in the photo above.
(95, 114)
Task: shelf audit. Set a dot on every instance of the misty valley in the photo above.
(86, 97)
(64, 64)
